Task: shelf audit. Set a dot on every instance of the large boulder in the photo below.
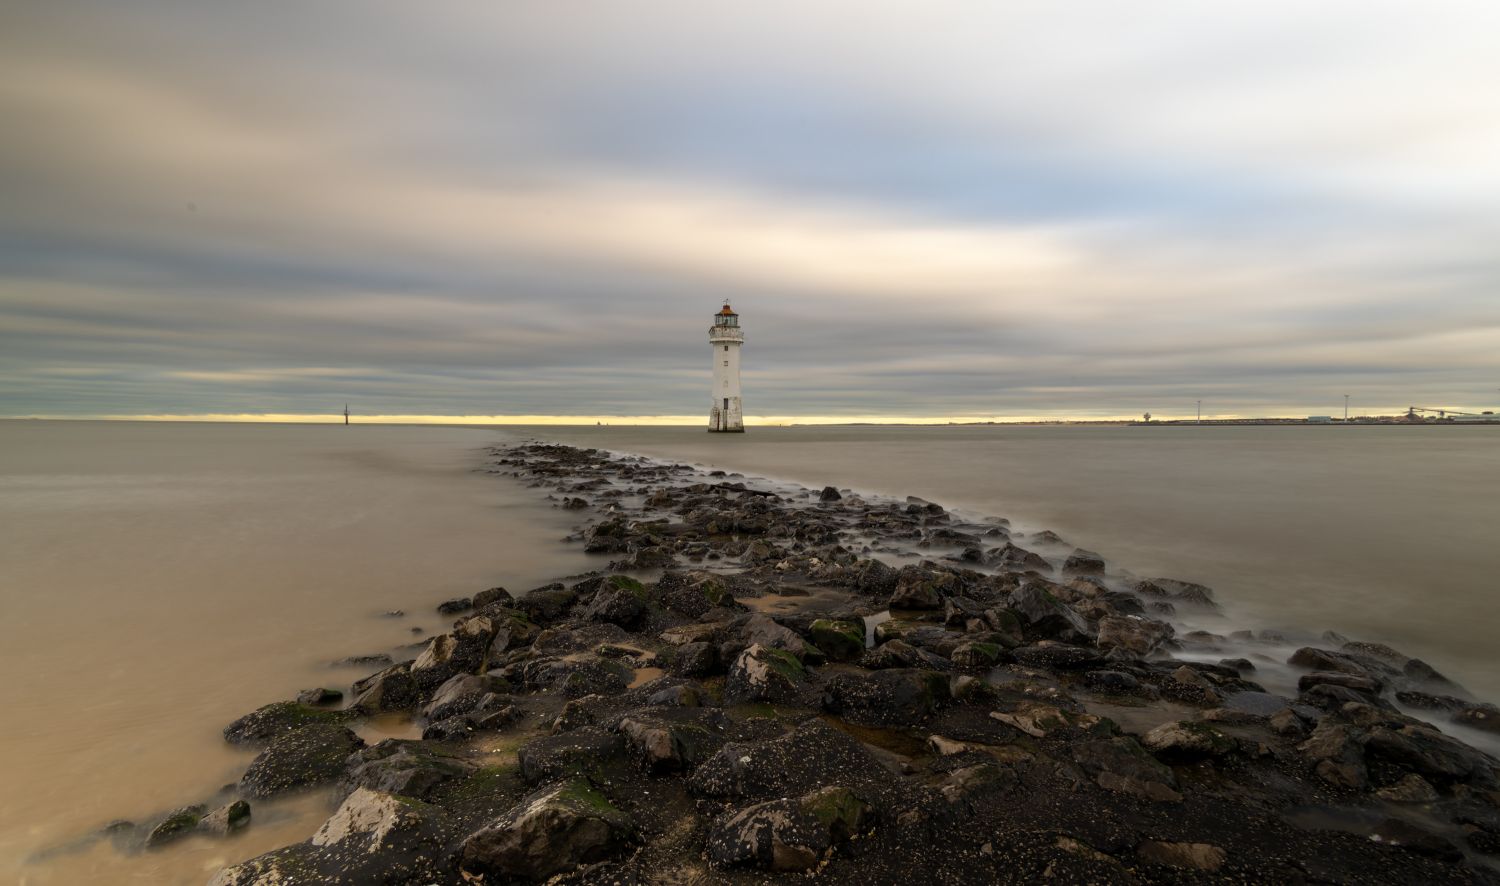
(790, 835)
(673, 740)
(402, 766)
(922, 587)
(893, 697)
(813, 756)
(373, 838)
(1188, 739)
(762, 673)
(587, 750)
(265, 724)
(550, 832)
(1337, 755)
(1138, 636)
(839, 639)
(1044, 615)
(1123, 766)
(300, 759)
(620, 600)
(1082, 562)
(392, 689)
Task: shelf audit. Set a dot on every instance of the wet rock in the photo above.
(455, 606)
(1058, 657)
(550, 832)
(1112, 682)
(1188, 739)
(693, 594)
(178, 824)
(680, 696)
(900, 654)
(493, 596)
(321, 697)
(1082, 562)
(1485, 718)
(1337, 755)
(1042, 720)
(1431, 754)
(696, 659)
(673, 740)
(298, 759)
(1285, 722)
(547, 604)
(761, 673)
(829, 493)
(1123, 766)
(1194, 856)
(920, 587)
(1138, 636)
(583, 751)
(813, 756)
(273, 720)
(840, 640)
(461, 694)
(402, 766)
(762, 630)
(976, 655)
(1044, 615)
(577, 677)
(620, 601)
(378, 659)
(790, 835)
(226, 819)
(1014, 558)
(1411, 788)
(1357, 682)
(392, 689)
(894, 697)
(873, 577)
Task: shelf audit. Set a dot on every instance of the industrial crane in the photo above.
(1411, 411)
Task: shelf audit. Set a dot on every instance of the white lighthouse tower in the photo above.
(725, 336)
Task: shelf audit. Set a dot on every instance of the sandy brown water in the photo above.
(1381, 533)
(158, 581)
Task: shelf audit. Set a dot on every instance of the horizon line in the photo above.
(678, 420)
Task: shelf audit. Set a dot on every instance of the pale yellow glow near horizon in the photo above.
(654, 420)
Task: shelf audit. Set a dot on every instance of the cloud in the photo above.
(952, 209)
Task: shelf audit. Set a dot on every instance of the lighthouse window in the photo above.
(726, 348)
(726, 362)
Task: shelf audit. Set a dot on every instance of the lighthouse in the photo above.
(725, 337)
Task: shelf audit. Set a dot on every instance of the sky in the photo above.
(925, 210)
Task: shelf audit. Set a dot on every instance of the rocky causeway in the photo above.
(768, 683)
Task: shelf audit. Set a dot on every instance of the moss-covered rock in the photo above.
(839, 639)
(264, 724)
(550, 832)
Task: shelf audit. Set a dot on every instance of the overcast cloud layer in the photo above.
(939, 209)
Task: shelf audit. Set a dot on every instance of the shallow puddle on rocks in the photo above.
(870, 623)
(379, 727)
(646, 675)
(1140, 717)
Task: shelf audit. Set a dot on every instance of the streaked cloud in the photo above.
(950, 210)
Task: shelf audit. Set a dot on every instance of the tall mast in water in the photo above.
(346, 413)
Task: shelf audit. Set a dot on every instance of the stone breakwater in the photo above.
(770, 683)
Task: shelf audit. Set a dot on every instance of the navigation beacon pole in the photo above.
(725, 336)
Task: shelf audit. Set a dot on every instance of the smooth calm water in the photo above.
(1382, 533)
(159, 580)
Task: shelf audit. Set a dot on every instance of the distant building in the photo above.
(726, 414)
(1320, 419)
